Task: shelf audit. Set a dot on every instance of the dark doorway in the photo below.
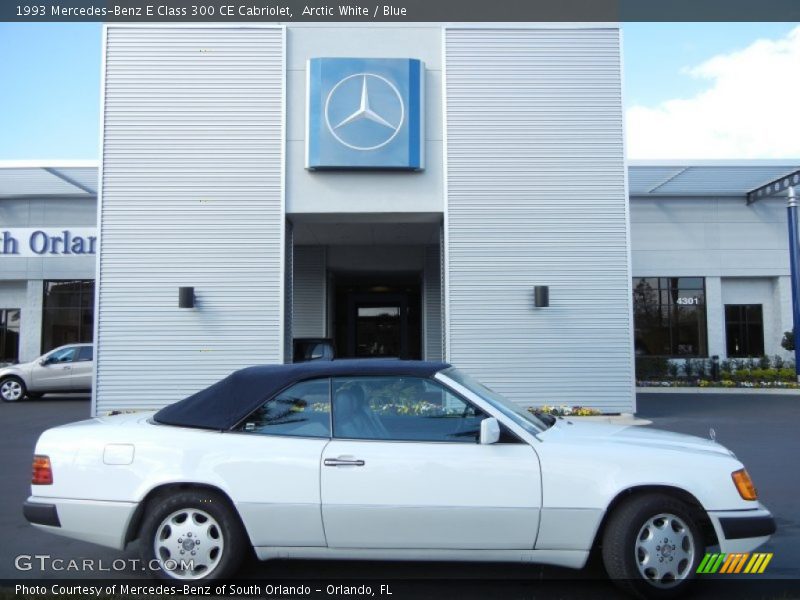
(378, 316)
(744, 330)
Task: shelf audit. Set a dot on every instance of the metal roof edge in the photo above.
(724, 162)
(49, 164)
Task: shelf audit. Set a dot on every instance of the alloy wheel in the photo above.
(665, 550)
(189, 544)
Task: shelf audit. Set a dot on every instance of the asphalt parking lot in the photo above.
(761, 430)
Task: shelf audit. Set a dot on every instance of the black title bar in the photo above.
(271, 11)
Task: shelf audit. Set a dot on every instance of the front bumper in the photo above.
(742, 530)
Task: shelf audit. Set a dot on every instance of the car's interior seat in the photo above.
(354, 418)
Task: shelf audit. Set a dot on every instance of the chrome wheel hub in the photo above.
(11, 390)
(189, 544)
(665, 550)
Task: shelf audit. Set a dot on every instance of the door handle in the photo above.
(67, 368)
(343, 462)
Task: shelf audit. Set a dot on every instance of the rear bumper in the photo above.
(41, 514)
(96, 521)
(742, 530)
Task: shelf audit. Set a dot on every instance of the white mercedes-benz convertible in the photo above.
(387, 459)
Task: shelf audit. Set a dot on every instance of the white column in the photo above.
(783, 315)
(30, 344)
(715, 317)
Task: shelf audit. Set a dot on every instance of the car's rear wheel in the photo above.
(652, 546)
(192, 535)
(12, 389)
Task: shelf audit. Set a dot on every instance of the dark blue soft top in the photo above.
(224, 404)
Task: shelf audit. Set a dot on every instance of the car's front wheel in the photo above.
(652, 546)
(192, 535)
(12, 389)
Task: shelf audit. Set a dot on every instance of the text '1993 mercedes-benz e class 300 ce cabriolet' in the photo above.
(396, 460)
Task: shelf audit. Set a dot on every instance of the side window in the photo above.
(302, 410)
(85, 353)
(402, 408)
(64, 355)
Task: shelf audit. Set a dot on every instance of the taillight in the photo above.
(42, 471)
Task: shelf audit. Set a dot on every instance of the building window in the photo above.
(670, 316)
(68, 313)
(9, 335)
(744, 330)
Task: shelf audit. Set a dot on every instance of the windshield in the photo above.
(516, 413)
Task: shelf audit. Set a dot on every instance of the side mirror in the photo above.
(43, 361)
(490, 431)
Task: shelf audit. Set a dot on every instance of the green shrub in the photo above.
(764, 362)
(788, 340)
(673, 369)
(688, 368)
(651, 367)
(702, 368)
(777, 361)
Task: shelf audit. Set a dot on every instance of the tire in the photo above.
(12, 389)
(652, 546)
(197, 526)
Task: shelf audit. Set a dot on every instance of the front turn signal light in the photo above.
(744, 484)
(42, 471)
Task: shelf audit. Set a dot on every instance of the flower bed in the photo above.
(763, 372)
(722, 383)
(565, 411)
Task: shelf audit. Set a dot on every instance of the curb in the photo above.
(718, 390)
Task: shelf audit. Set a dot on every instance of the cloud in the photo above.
(751, 108)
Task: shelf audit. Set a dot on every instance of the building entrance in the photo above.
(378, 318)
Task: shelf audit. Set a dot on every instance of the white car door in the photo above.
(56, 372)
(404, 470)
(82, 368)
(271, 465)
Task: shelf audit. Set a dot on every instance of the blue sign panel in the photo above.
(364, 113)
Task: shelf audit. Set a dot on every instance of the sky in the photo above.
(691, 90)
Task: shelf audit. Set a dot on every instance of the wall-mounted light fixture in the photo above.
(185, 297)
(541, 296)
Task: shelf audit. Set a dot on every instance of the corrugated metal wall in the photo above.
(288, 292)
(536, 196)
(309, 295)
(192, 195)
(432, 304)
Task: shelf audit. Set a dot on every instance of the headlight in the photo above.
(744, 485)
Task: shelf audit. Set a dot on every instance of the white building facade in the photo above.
(701, 241)
(48, 243)
(207, 136)
(496, 165)
(725, 260)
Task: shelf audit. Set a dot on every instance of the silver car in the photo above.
(65, 369)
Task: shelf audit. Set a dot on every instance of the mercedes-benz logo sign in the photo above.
(364, 111)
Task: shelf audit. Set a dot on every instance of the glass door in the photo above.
(378, 325)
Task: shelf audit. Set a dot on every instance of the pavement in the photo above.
(760, 429)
